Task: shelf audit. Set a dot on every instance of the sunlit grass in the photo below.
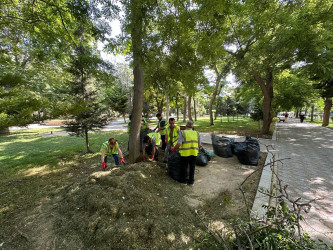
(233, 125)
(25, 148)
(319, 122)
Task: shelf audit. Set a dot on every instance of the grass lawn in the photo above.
(319, 122)
(40, 177)
(240, 126)
(25, 148)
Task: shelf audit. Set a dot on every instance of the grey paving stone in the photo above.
(309, 171)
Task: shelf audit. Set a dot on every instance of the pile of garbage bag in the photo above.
(222, 145)
(247, 152)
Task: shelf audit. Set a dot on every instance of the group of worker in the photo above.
(186, 141)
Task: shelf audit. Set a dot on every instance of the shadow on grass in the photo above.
(26, 149)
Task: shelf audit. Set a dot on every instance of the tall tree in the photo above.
(116, 99)
(189, 106)
(326, 92)
(85, 108)
(263, 38)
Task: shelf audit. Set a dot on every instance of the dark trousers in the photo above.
(115, 157)
(149, 151)
(188, 163)
(163, 142)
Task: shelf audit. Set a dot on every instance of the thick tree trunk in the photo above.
(195, 109)
(134, 137)
(267, 89)
(184, 111)
(167, 108)
(87, 140)
(212, 99)
(189, 108)
(312, 112)
(137, 16)
(327, 112)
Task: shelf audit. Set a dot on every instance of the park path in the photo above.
(309, 172)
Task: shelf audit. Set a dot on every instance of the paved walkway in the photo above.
(309, 172)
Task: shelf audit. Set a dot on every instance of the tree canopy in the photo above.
(280, 48)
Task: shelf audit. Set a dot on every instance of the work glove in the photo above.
(104, 165)
(143, 159)
(122, 160)
(172, 149)
(152, 158)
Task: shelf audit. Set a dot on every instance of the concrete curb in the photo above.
(266, 183)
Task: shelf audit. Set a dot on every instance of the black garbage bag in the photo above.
(174, 165)
(222, 145)
(202, 159)
(248, 151)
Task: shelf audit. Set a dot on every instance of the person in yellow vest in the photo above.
(161, 128)
(188, 144)
(150, 145)
(144, 123)
(171, 137)
(111, 148)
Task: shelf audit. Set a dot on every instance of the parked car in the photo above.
(281, 117)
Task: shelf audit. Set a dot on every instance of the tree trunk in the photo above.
(124, 115)
(167, 108)
(195, 110)
(177, 107)
(327, 111)
(136, 35)
(212, 99)
(267, 90)
(159, 105)
(312, 112)
(189, 108)
(87, 139)
(134, 137)
(184, 111)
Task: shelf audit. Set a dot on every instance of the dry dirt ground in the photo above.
(134, 206)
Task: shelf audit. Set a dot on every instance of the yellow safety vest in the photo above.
(162, 131)
(190, 143)
(175, 135)
(110, 151)
(157, 137)
(144, 124)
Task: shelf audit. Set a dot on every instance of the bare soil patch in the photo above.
(130, 207)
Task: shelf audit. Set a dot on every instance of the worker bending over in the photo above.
(150, 145)
(111, 148)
